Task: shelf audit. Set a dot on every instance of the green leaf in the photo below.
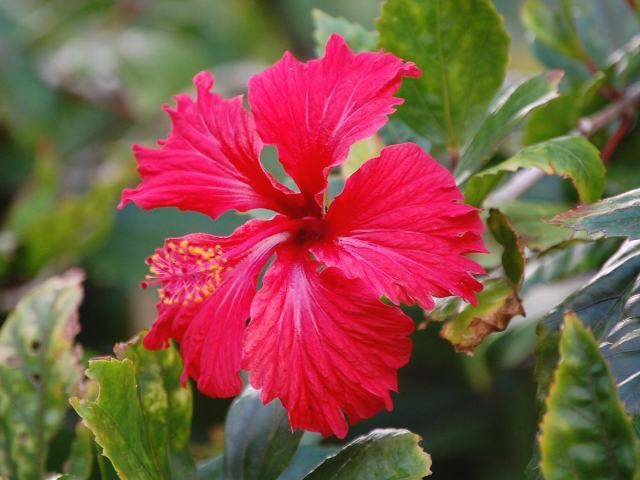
(75, 224)
(462, 48)
(80, 463)
(141, 416)
(572, 157)
(560, 115)
(513, 258)
(608, 305)
(39, 366)
(258, 441)
(357, 37)
(359, 153)
(510, 110)
(617, 216)
(497, 304)
(554, 27)
(531, 221)
(568, 259)
(380, 455)
(585, 431)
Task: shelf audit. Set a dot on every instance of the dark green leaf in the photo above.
(585, 431)
(617, 216)
(141, 416)
(560, 116)
(510, 110)
(39, 365)
(513, 259)
(608, 304)
(572, 157)
(462, 48)
(357, 37)
(305, 460)
(380, 455)
(258, 442)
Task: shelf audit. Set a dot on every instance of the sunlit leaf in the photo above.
(617, 216)
(359, 153)
(462, 48)
(39, 365)
(258, 440)
(379, 455)
(511, 109)
(357, 37)
(585, 431)
(572, 157)
(141, 416)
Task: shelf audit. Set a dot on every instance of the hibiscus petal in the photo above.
(399, 226)
(210, 161)
(323, 344)
(313, 112)
(208, 283)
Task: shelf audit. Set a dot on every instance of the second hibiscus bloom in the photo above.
(316, 335)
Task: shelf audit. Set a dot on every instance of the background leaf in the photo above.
(80, 463)
(462, 47)
(617, 216)
(258, 440)
(359, 153)
(357, 37)
(510, 109)
(571, 157)
(554, 26)
(585, 431)
(212, 469)
(607, 304)
(380, 455)
(39, 366)
(141, 416)
(513, 258)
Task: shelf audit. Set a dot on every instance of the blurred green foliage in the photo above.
(82, 80)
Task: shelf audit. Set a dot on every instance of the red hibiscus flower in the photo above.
(316, 335)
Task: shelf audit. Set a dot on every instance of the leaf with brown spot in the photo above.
(497, 304)
(39, 366)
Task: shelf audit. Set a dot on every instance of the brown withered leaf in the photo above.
(497, 304)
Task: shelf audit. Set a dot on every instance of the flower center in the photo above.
(187, 273)
(311, 230)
